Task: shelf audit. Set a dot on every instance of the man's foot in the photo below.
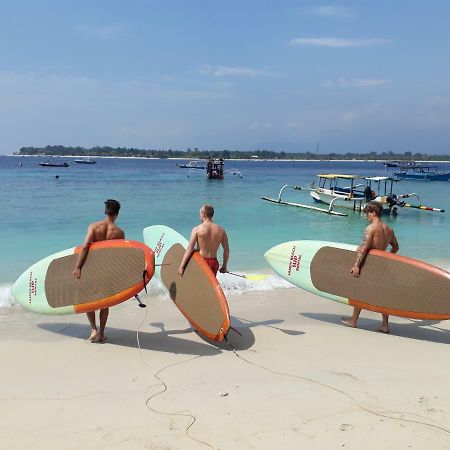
(93, 337)
(102, 339)
(384, 330)
(348, 322)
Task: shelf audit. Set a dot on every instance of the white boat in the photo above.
(194, 164)
(85, 161)
(340, 190)
(353, 192)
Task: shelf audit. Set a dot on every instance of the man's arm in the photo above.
(226, 252)
(394, 243)
(84, 251)
(188, 252)
(362, 251)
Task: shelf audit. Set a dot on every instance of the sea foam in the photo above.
(6, 297)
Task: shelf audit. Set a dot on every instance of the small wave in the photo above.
(231, 284)
(6, 297)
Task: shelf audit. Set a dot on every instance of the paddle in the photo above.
(251, 277)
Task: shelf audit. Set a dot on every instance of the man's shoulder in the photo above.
(96, 224)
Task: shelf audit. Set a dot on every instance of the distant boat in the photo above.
(421, 172)
(391, 163)
(195, 164)
(85, 161)
(53, 164)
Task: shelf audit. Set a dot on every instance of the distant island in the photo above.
(195, 153)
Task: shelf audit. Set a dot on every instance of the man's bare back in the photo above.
(380, 235)
(209, 237)
(105, 230)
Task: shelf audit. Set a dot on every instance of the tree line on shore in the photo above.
(195, 153)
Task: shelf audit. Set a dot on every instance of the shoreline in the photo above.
(228, 159)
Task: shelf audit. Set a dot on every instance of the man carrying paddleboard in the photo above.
(207, 237)
(99, 231)
(377, 236)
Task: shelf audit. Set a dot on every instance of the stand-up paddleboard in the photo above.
(197, 294)
(113, 272)
(389, 283)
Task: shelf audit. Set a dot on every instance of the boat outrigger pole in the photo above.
(300, 205)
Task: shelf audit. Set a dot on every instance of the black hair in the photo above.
(112, 207)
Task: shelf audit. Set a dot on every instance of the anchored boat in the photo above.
(194, 164)
(53, 164)
(85, 161)
(422, 172)
(353, 192)
(214, 169)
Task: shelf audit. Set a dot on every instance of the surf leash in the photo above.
(384, 414)
(163, 385)
(250, 277)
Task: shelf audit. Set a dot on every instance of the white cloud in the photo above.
(226, 71)
(354, 82)
(337, 42)
(330, 11)
(104, 32)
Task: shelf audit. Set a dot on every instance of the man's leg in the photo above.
(94, 334)
(384, 324)
(352, 321)
(103, 319)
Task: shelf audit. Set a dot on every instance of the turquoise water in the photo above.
(41, 214)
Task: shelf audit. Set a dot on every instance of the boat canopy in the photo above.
(378, 179)
(330, 176)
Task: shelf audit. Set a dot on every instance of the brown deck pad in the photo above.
(384, 282)
(193, 293)
(105, 272)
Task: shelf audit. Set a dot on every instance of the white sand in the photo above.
(59, 392)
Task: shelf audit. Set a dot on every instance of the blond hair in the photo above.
(208, 211)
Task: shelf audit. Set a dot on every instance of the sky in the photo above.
(354, 76)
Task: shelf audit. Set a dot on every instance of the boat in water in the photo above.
(391, 163)
(353, 192)
(194, 164)
(53, 164)
(214, 169)
(421, 172)
(85, 161)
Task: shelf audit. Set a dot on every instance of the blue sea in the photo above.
(42, 214)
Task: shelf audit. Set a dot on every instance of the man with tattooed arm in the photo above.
(377, 236)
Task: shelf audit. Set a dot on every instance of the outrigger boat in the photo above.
(353, 192)
(422, 172)
(214, 169)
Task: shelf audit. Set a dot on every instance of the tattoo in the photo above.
(361, 251)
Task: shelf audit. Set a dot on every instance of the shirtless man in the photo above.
(378, 236)
(207, 236)
(99, 231)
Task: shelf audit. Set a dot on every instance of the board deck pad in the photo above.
(192, 292)
(124, 265)
(383, 282)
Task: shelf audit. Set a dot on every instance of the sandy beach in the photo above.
(298, 379)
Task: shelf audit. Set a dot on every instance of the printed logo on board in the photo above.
(294, 261)
(159, 246)
(32, 287)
